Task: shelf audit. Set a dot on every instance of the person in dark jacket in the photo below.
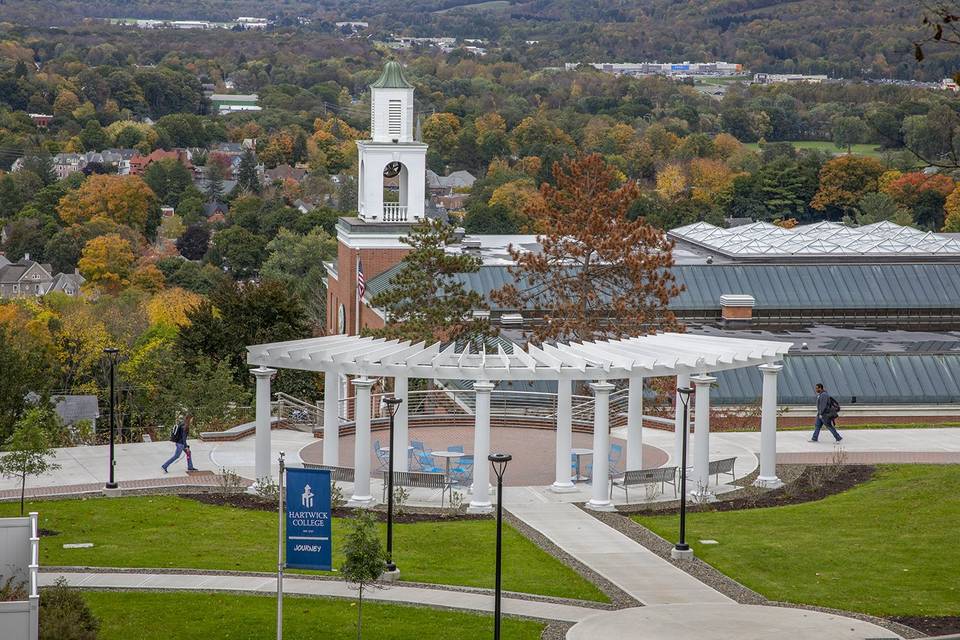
(826, 414)
(179, 437)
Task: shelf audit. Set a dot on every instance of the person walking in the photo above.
(827, 411)
(179, 437)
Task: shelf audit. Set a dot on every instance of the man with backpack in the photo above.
(827, 411)
(179, 437)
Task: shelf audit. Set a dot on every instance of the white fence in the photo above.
(20, 560)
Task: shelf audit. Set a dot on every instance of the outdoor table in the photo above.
(578, 453)
(447, 456)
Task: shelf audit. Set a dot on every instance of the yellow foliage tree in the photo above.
(440, 130)
(671, 183)
(726, 145)
(516, 196)
(124, 199)
(951, 223)
(710, 180)
(171, 306)
(887, 178)
(147, 278)
(106, 261)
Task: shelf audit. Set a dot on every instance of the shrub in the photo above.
(64, 615)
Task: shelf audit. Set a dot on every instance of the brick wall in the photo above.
(375, 262)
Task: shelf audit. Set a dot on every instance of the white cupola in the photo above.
(393, 165)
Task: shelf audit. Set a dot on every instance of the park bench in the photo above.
(419, 480)
(337, 474)
(637, 477)
(724, 466)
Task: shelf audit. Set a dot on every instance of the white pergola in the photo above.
(690, 358)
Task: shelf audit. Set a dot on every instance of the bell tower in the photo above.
(392, 171)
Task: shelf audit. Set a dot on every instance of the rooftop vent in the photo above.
(737, 308)
(511, 319)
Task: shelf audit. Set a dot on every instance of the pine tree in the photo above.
(214, 182)
(247, 178)
(426, 300)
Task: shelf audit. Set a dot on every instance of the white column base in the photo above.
(480, 507)
(360, 502)
(600, 505)
(563, 487)
(114, 492)
(768, 483)
(390, 576)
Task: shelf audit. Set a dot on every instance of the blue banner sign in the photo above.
(309, 544)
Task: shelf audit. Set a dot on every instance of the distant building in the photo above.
(139, 163)
(284, 172)
(230, 102)
(27, 278)
(252, 23)
(718, 68)
(446, 185)
(41, 120)
(73, 409)
(949, 84)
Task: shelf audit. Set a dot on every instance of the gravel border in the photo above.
(556, 631)
(532, 597)
(725, 584)
(619, 599)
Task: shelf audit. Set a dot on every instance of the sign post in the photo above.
(307, 542)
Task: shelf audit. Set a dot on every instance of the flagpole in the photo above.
(280, 547)
(356, 277)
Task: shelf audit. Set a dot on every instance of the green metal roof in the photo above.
(392, 77)
(796, 287)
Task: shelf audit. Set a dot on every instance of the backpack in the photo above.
(833, 406)
(175, 433)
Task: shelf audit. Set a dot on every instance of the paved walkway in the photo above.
(445, 598)
(635, 569)
(725, 622)
(197, 479)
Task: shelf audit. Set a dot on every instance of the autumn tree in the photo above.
(126, 200)
(598, 274)
(952, 207)
(107, 261)
(426, 299)
(844, 180)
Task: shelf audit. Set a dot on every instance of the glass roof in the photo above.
(761, 238)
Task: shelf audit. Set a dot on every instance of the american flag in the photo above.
(361, 281)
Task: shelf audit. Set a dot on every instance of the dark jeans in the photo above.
(176, 454)
(828, 423)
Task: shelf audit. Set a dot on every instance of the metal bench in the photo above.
(724, 466)
(419, 480)
(337, 474)
(627, 479)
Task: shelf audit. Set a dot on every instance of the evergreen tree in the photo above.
(299, 152)
(214, 182)
(426, 300)
(247, 179)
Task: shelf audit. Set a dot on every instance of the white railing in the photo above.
(394, 212)
(34, 597)
(297, 413)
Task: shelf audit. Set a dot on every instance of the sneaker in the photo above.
(164, 468)
(839, 440)
(192, 469)
(812, 440)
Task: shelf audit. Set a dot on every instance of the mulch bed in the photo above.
(815, 482)
(409, 515)
(932, 625)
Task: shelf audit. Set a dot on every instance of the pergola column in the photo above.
(262, 434)
(480, 503)
(599, 482)
(564, 439)
(680, 431)
(331, 418)
(634, 424)
(768, 428)
(361, 451)
(701, 437)
(400, 424)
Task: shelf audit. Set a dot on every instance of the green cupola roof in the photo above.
(392, 77)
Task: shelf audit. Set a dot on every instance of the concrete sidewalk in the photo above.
(635, 569)
(399, 593)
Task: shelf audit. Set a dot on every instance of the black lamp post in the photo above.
(393, 404)
(499, 462)
(112, 354)
(682, 546)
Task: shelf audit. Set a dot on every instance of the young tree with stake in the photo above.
(28, 448)
(364, 559)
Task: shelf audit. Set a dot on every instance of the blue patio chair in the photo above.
(426, 462)
(417, 446)
(456, 448)
(383, 457)
(463, 472)
(616, 453)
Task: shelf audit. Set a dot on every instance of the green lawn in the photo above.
(167, 531)
(201, 616)
(820, 145)
(886, 547)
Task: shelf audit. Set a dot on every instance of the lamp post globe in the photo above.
(112, 354)
(499, 462)
(393, 404)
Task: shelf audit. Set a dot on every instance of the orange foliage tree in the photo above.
(598, 274)
(844, 180)
(907, 188)
(124, 199)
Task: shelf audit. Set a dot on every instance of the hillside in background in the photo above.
(855, 38)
